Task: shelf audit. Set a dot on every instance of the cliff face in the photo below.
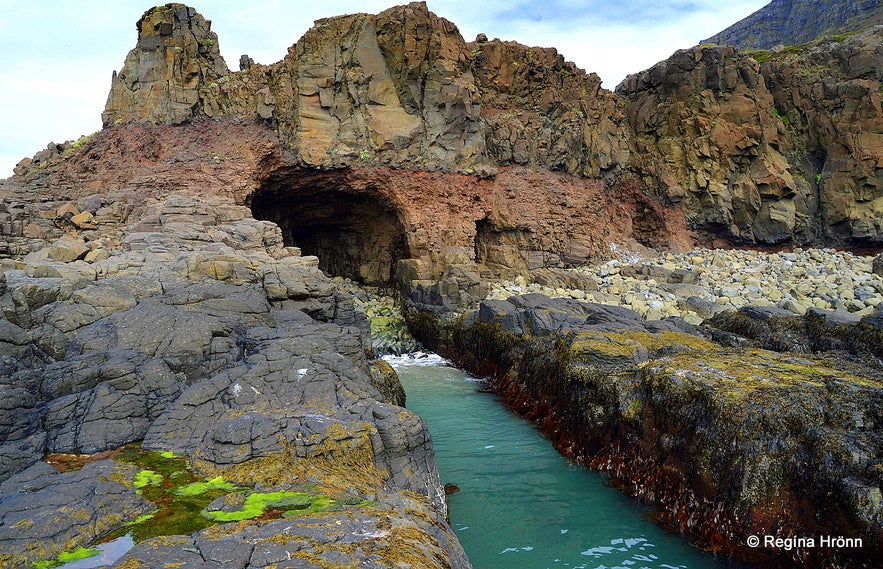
(392, 89)
(705, 129)
(829, 99)
(401, 154)
(789, 22)
(789, 149)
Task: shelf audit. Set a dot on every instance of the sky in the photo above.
(57, 56)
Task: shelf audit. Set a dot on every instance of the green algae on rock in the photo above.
(67, 557)
(290, 503)
(184, 500)
(196, 488)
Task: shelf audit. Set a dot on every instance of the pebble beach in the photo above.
(703, 282)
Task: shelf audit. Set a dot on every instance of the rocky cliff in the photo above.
(202, 337)
(767, 147)
(162, 280)
(790, 22)
(457, 161)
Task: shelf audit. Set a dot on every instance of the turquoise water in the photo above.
(521, 504)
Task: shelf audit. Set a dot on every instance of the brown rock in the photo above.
(96, 255)
(67, 249)
(33, 231)
(381, 113)
(67, 209)
(84, 220)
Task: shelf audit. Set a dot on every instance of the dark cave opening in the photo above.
(353, 233)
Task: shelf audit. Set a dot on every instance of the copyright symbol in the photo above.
(753, 541)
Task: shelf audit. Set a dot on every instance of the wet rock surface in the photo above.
(43, 512)
(728, 438)
(382, 536)
(202, 334)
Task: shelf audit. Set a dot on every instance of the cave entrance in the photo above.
(352, 232)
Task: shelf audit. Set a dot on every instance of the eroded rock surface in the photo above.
(43, 513)
(426, 162)
(729, 439)
(381, 536)
(199, 332)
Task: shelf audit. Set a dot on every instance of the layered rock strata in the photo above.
(456, 159)
(203, 335)
(729, 440)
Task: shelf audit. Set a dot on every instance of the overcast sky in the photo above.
(57, 56)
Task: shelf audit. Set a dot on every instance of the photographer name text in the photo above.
(789, 543)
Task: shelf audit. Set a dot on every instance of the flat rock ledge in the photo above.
(727, 436)
(192, 329)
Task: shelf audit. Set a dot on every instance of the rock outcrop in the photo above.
(790, 22)
(786, 150)
(728, 442)
(427, 162)
(162, 279)
(199, 333)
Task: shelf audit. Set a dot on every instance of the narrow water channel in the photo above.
(521, 504)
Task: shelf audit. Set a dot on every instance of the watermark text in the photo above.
(789, 543)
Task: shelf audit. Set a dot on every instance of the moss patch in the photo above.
(182, 496)
(291, 503)
(67, 557)
(197, 488)
(146, 478)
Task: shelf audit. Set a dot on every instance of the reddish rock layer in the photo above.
(479, 159)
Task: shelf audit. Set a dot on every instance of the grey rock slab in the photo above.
(766, 312)
(17, 455)
(834, 317)
(43, 512)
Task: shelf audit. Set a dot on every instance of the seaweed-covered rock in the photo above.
(377, 536)
(729, 442)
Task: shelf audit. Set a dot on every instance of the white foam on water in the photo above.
(416, 359)
(476, 379)
(517, 549)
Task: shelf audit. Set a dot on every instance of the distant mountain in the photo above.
(790, 22)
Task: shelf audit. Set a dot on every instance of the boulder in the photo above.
(877, 265)
(67, 249)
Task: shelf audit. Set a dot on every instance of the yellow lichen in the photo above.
(628, 343)
(751, 372)
(341, 461)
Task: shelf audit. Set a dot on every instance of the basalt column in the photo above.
(355, 233)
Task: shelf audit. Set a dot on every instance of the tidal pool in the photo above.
(521, 504)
